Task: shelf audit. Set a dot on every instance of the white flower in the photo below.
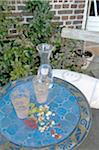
(48, 113)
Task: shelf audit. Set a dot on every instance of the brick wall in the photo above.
(67, 13)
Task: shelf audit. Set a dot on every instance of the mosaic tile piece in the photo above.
(64, 125)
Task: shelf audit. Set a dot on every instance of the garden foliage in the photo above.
(19, 57)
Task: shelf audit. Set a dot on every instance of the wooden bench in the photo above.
(87, 36)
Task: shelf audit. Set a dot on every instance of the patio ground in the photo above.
(92, 141)
(93, 67)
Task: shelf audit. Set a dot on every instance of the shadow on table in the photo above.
(92, 140)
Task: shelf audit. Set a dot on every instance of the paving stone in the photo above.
(92, 140)
(94, 67)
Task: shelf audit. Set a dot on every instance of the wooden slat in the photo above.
(93, 24)
(93, 18)
(80, 35)
(95, 7)
(95, 29)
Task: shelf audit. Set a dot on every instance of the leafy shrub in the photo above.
(65, 57)
(19, 57)
(18, 60)
(40, 28)
(5, 23)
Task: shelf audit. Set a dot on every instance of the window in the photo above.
(94, 8)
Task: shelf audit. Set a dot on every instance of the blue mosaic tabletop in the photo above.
(62, 121)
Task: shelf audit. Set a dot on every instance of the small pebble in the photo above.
(57, 136)
(41, 129)
(53, 135)
(40, 106)
(42, 123)
(47, 107)
(52, 131)
(48, 118)
(59, 125)
(40, 114)
(53, 122)
(48, 113)
(40, 119)
(53, 114)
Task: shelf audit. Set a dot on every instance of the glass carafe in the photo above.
(44, 80)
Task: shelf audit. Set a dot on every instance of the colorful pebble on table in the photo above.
(41, 118)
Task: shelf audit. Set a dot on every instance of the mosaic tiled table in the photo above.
(65, 128)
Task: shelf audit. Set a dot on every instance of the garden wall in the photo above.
(67, 13)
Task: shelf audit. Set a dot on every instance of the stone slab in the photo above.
(92, 140)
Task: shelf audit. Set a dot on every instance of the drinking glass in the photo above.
(44, 80)
(20, 101)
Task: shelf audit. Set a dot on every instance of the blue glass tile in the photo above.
(61, 111)
(2, 103)
(53, 106)
(4, 123)
(7, 109)
(12, 129)
(1, 116)
(66, 116)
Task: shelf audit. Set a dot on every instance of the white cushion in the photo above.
(88, 85)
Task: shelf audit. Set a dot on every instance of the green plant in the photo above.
(18, 60)
(18, 57)
(40, 28)
(65, 57)
(5, 23)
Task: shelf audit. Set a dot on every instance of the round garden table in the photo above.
(66, 117)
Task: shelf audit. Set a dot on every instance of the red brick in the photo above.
(13, 31)
(77, 22)
(24, 2)
(80, 17)
(55, 1)
(60, 0)
(26, 13)
(81, 6)
(72, 17)
(71, 27)
(54, 12)
(57, 6)
(19, 1)
(11, 8)
(68, 22)
(74, 6)
(13, 2)
(57, 23)
(60, 23)
(21, 7)
(64, 17)
(29, 19)
(65, 5)
(80, 1)
(78, 11)
(56, 18)
(16, 14)
(65, 12)
(65, 0)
